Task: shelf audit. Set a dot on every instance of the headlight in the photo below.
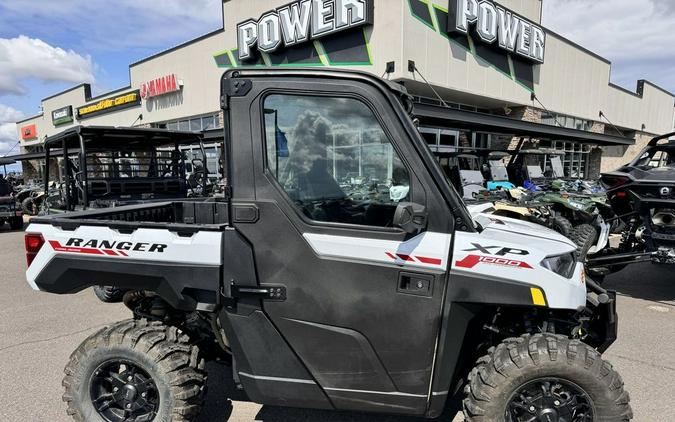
(577, 205)
(563, 265)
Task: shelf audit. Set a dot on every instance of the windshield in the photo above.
(656, 157)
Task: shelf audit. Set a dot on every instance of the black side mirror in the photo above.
(410, 217)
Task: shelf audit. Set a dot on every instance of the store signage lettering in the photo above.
(301, 22)
(28, 132)
(160, 86)
(109, 105)
(63, 115)
(494, 23)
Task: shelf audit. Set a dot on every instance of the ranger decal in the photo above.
(105, 247)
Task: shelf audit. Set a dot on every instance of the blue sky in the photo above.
(47, 45)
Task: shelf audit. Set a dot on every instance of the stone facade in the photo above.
(616, 156)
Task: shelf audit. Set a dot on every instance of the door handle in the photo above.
(275, 293)
(415, 284)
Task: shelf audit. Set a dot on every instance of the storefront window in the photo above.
(195, 124)
(575, 160)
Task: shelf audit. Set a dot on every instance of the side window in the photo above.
(333, 160)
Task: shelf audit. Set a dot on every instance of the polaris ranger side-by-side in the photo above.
(323, 299)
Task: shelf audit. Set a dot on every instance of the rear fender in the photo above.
(183, 270)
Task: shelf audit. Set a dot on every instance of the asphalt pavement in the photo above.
(38, 331)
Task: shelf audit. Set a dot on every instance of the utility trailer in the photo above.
(321, 298)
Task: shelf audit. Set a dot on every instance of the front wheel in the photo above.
(545, 377)
(135, 371)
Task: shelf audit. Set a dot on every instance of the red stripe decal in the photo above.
(391, 255)
(405, 257)
(427, 260)
(59, 248)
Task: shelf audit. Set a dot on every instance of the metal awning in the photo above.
(40, 155)
(470, 120)
(114, 137)
(6, 161)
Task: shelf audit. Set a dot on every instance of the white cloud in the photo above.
(122, 25)
(22, 58)
(636, 35)
(9, 114)
(8, 134)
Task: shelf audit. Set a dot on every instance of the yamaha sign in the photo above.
(300, 22)
(499, 26)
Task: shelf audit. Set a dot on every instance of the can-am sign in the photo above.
(494, 23)
(301, 22)
(62, 116)
(161, 86)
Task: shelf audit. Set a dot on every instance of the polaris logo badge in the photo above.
(665, 191)
(301, 22)
(495, 23)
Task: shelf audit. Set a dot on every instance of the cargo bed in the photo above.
(200, 215)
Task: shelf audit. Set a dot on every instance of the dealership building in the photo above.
(502, 78)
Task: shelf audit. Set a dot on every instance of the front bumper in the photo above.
(601, 321)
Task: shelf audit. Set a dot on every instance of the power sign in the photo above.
(300, 22)
(498, 26)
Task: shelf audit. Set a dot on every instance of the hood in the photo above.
(512, 226)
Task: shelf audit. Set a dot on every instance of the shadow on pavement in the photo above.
(221, 390)
(645, 281)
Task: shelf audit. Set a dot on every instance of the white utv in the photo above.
(386, 303)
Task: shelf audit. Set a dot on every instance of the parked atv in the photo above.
(30, 198)
(9, 212)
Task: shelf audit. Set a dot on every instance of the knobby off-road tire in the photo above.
(584, 236)
(109, 294)
(16, 223)
(161, 353)
(561, 225)
(514, 363)
(29, 206)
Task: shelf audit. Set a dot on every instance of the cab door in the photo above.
(356, 299)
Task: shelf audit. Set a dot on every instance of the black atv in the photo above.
(642, 194)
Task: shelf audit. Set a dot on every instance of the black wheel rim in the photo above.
(121, 391)
(550, 400)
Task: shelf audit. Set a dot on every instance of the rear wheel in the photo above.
(135, 371)
(561, 225)
(16, 223)
(545, 377)
(584, 236)
(29, 206)
(109, 294)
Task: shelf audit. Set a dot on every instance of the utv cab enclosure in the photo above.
(320, 299)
